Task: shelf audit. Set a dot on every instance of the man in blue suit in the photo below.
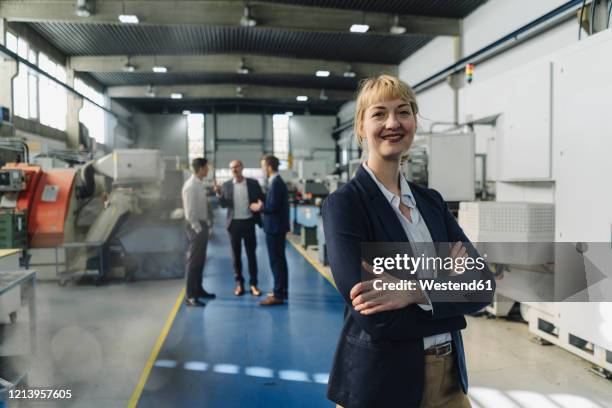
(275, 211)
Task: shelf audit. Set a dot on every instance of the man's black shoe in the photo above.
(194, 302)
(204, 294)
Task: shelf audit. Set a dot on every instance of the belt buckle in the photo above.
(448, 347)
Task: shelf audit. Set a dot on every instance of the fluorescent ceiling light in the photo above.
(176, 95)
(359, 28)
(186, 112)
(160, 69)
(322, 73)
(128, 19)
(302, 98)
(289, 113)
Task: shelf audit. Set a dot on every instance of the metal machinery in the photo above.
(553, 196)
(306, 211)
(112, 216)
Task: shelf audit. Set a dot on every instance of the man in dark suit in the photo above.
(236, 195)
(276, 225)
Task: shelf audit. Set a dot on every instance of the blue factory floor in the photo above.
(235, 353)
(104, 344)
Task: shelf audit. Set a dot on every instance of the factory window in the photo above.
(53, 97)
(90, 115)
(25, 84)
(280, 137)
(195, 135)
(34, 95)
(11, 42)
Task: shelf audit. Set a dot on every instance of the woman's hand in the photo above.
(458, 251)
(368, 300)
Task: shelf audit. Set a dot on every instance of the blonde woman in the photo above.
(394, 350)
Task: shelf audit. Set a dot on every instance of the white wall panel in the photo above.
(439, 53)
(583, 140)
(497, 18)
(523, 96)
(436, 104)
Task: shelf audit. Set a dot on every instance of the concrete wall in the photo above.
(165, 132)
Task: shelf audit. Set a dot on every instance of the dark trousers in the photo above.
(196, 256)
(240, 230)
(278, 264)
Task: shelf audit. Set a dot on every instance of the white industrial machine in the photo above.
(552, 148)
(111, 215)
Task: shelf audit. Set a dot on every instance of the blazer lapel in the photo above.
(230, 190)
(381, 207)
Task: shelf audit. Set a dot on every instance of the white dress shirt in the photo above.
(418, 236)
(195, 203)
(241, 201)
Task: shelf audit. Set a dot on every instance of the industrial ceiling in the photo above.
(235, 55)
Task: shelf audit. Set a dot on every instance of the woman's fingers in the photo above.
(455, 249)
(383, 307)
(365, 306)
(356, 290)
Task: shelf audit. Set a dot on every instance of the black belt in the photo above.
(440, 350)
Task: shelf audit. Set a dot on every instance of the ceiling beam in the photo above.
(227, 13)
(226, 91)
(226, 63)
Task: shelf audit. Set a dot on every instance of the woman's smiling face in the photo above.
(389, 127)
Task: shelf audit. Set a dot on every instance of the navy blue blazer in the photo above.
(226, 199)
(379, 360)
(276, 208)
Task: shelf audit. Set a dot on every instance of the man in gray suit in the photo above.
(236, 195)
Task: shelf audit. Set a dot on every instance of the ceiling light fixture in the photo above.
(243, 69)
(397, 29)
(84, 8)
(160, 69)
(349, 73)
(128, 19)
(176, 95)
(301, 98)
(128, 67)
(247, 20)
(322, 74)
(359, 28)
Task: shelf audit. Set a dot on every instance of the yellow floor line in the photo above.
(158, 345)
(313, 262)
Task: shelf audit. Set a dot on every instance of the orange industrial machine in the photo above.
(47, 199)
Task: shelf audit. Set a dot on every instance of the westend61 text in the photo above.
(429, 285)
